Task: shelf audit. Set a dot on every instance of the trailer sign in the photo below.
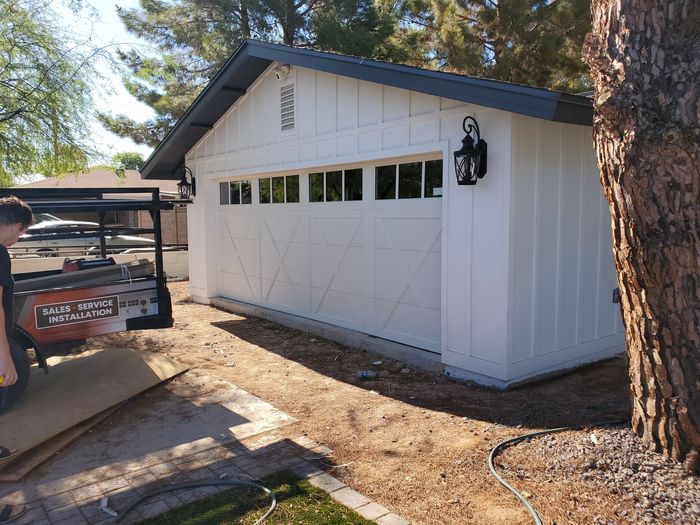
(71, 312)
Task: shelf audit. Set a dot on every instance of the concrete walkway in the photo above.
(194, 428)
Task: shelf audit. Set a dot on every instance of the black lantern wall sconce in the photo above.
(184, 188)
(470, 159)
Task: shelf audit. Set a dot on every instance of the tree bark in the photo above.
(644, 57)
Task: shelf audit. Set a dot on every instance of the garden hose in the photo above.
(198, 484)
(503, 444)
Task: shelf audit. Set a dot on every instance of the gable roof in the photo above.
(252, 58)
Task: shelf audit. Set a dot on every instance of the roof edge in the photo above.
(251, 55)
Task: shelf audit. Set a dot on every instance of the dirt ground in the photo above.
(416, 443)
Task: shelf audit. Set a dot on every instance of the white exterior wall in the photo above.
(506, 244)
(562, 272)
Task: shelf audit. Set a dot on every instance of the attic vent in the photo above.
(287, 106)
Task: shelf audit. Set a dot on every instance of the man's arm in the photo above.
(7, 366)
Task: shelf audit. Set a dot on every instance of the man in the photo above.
(15, 218)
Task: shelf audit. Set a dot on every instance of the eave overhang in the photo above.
(252, 58)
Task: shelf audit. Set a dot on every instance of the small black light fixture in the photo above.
(470, 159)
(184, 188)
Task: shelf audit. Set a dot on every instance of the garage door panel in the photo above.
(397, 271)
(409, 323)
(404, 233)
(341, 308)
(296, 263)
(285, 294)
(239, 285)
(281, 230)
(321, 266)
(426, 280)
(271, 259)
(372, 266)
(338, 268)
(336, 231)
(239, 256)
(247, 255)
(229, 259)
(237, 226)
(350, 276)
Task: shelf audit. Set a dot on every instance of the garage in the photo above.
(322, 244)
(327, 192)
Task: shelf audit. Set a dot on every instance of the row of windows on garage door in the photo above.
(410, 180)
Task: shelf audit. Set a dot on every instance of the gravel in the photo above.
(647, 487)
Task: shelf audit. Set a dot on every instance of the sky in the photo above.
(105, 28)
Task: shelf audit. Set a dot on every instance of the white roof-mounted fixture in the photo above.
(282, 71)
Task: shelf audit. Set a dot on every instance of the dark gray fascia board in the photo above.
(525, 100)
(251, 58)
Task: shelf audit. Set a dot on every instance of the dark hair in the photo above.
(15, 211)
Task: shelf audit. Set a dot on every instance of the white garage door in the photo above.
(372, 265)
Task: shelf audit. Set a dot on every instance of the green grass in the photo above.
(298, 503)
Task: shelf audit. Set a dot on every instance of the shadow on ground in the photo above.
(584, 396)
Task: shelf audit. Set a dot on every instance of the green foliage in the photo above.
(45, 101)
(194, 38)
(127, 160)
(352, 27)
(534, 42)
(298, 502)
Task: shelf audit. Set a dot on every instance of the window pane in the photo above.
(433, 178)
(293, 188)
(410, 180)
(386, 182)
(315, 187)
(235, 192)
(246, 193)
(353, 185)
(264, 185)
(334, 186)
(223, 193)
(277, 189)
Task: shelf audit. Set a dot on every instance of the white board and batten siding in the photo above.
(562, 268)
(435, 273)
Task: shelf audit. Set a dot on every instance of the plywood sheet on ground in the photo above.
(77, 388)
(18, 467)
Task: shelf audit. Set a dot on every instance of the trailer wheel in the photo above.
(11, 394)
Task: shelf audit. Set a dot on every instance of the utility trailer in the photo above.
(57, 310)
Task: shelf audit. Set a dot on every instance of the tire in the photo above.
(11, 394)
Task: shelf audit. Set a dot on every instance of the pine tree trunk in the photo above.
(645, 64)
